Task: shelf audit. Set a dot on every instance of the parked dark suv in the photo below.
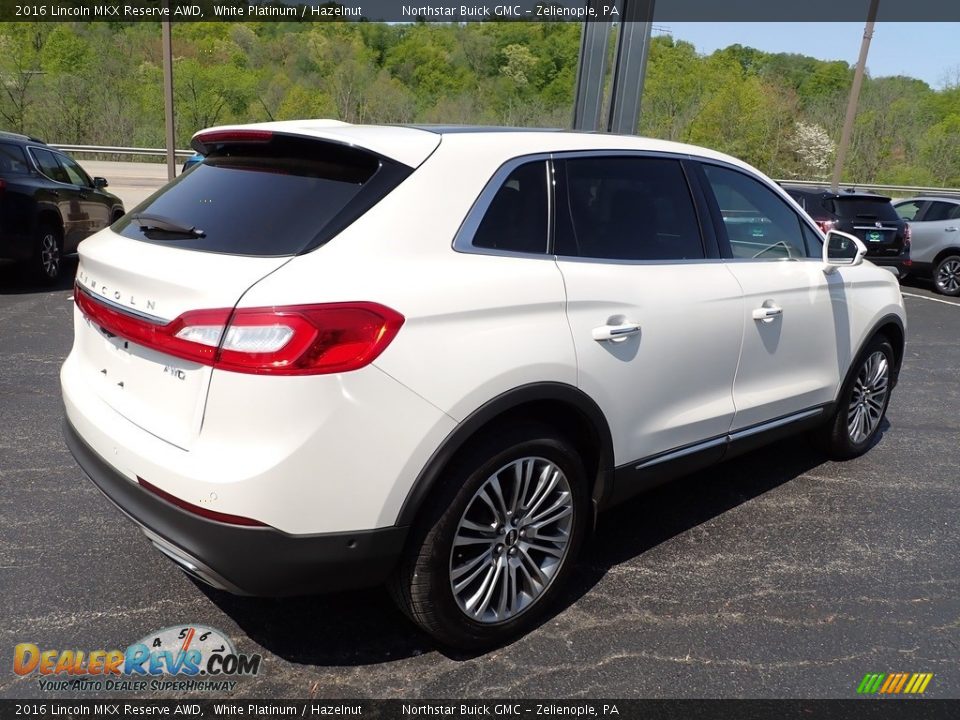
(48, 204)
(870, 217)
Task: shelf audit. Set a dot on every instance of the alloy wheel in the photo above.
(50, 255)
(512, 540)
(869, 397)
(948, 276)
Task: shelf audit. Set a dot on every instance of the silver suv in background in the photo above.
(935, 223)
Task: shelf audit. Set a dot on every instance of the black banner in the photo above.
(872, 709)
(469, 11)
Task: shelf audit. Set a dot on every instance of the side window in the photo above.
(516, 220)
(12, 160)
(626, 208)
(909, 210)
(814, 243)
(937, 211)
(954, 212)
(759, 223)
(48, 165)
(74, 172)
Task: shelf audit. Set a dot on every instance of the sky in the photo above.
(896, 48)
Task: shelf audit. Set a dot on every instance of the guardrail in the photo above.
(898, 190)
(117, 150)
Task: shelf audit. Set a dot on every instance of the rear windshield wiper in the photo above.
(149, 222)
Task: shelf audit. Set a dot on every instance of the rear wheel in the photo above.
(48, 253)
(497, 540)
(862, 404)
(946, 276)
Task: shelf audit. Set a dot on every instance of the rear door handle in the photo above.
(615, 333)
(950, 229)
(767, 314)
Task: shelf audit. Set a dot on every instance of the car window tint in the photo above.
(265, 199)
(74, 172)
(12, 160)
(516, 220)
(908, 210)
(49, 166)
(759, 223)
(938, 211)
(626, 208)
(813, 240)
(864, 208)
(954, 212)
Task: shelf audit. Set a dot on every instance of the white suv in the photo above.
(332, 356)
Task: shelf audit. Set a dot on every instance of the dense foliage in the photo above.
(100, 83)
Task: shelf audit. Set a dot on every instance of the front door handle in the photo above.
(767, 314)
(950, 229)
(615, 333)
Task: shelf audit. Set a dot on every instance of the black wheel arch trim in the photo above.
(898, 352)
(504, 403)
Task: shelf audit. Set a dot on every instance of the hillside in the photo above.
(100, 83)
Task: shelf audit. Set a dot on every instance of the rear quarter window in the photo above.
(267, 199)
(13, 161)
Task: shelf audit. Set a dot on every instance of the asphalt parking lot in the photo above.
(778, 574)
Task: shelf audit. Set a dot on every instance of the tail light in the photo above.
(293, 340)
(825, 225)
(203, 140)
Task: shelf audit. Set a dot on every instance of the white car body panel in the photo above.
(697, 301)
(341, 452)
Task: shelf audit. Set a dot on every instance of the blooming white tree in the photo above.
(813, 149)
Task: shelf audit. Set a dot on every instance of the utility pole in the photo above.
(168, 95)
(854, 96)
(629, 68)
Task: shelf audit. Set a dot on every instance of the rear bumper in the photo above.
(246, 560)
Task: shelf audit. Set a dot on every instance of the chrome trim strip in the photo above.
(730, 437)
(463, 240)
(153, 319)
(33, 158)
(683, 452)
(773, 424)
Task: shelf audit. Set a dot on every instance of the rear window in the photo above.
(267, 199)
(12, 160)
(864, 208)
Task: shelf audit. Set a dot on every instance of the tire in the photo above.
(481, 592)
(47, 262)
(843, 436)
(946, 276)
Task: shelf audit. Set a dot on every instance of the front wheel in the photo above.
(946, 276)
(497, 540)
(862, 404)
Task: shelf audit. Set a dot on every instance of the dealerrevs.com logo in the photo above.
(181, 658)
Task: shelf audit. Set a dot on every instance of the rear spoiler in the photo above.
(406, 145)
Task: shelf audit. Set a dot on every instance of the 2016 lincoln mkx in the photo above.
(332, 356)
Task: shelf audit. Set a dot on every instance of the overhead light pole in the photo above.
(168, 95)
(854, 96)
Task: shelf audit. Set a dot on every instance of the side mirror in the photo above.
(99, 182)
(842, 249)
